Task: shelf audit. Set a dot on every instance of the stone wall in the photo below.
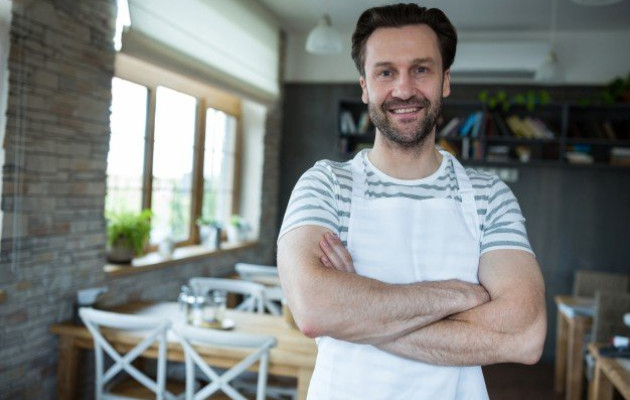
(54, 182)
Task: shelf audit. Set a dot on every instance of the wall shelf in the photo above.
(552, 134)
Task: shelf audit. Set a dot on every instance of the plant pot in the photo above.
(210, 236)
(235, 235)
(120, 253)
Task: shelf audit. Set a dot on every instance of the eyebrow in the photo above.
(416, 61)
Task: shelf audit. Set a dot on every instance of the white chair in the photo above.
(253, 293)
(152, 330)
(255, 301)
(220, 380)
(256, 273)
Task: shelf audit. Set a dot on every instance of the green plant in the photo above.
(205, 221)
(615, 90)
(501, 101)
(132, 229)
(237, 221)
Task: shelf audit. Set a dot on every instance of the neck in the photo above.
(401, 162)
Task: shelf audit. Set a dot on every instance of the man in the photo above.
(411, 271)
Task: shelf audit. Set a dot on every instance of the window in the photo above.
(218, 168)
(126, 146)
(173, 154)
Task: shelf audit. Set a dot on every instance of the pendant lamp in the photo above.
(550, 71)
(324, 39)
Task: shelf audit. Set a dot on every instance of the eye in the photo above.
(421, 70)
(385, 73)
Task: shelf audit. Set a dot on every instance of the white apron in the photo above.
(402, 240)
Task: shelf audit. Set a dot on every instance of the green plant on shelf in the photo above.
(500, 101)
(129, 229)
(615, 91)
(211, 222)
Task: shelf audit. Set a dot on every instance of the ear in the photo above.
(364, 92)
(446, 84)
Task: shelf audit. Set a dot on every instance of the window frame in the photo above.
(151, 76)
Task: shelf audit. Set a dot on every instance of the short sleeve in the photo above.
(313, 201)
(504, 224)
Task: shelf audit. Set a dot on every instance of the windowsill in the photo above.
(154, 261)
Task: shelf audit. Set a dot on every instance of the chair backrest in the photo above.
(253, 293)
(586, 283)
(610, 307)
(258, 344)
(252, 272)
(152, 330)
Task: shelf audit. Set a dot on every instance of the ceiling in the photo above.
(299, 16)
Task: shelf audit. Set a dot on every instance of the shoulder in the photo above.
(482, 180)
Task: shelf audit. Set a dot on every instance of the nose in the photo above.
(403, 87)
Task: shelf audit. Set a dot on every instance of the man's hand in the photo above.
(335, 256)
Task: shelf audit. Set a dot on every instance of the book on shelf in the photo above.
(620, 156)
(364, 123)
(469, 124)
(543, 130)
(477, 150)
(520, 128)
(465, 148)
(498, 153)
(502, 127)
(479, 117)
(608, 130)
(537, 128)
(347, 123)
(579, 155)
(450, 127)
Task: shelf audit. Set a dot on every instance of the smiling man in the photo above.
(410, 270)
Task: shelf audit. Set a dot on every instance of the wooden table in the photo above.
(294, 355)
(570, 333)
(609, 376)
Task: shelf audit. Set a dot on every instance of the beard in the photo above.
(416, 132)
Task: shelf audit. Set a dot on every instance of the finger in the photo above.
(330, 254)
(340, 257)
(326, 261)
(344, 254)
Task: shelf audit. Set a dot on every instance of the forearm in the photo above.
(346, 306)
(509, 328)
(466, 339)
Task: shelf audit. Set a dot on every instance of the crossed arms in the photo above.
(442, 322)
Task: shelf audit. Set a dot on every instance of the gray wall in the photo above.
(577, 217)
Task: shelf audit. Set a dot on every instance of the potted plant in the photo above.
(237, 229)
(209, 232)
(127, 235)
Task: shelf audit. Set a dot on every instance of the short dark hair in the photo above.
(399, 15)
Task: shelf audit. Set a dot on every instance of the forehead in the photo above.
(397, 45)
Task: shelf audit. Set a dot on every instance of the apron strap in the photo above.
(359, 178)
(466, 191)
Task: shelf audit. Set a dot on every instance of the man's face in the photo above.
(404, 84)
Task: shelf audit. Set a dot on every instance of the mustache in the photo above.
(411, 102)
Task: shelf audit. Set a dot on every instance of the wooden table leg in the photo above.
(561, 353)
(67, 368)
(575, 360)
(602, 387)
(303, 381)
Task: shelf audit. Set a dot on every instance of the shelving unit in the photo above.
(551, 134)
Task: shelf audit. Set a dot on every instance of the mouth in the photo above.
(408, 110)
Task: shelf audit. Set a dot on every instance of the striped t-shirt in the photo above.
(323, 197)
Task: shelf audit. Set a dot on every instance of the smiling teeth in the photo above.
(404, 110)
